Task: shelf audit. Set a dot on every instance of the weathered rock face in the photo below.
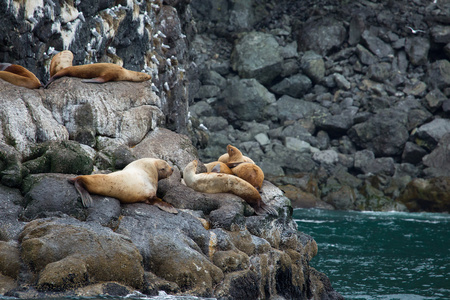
(138, 36)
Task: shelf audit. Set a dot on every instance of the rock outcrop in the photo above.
(214, 247)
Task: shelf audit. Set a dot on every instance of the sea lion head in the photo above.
(164, 169)
(233, 153)
(141, 76)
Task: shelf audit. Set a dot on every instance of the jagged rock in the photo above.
(86, 252)
(376, 45)
(413, 153)
(313, 66)
(417, 50)
(433, 131)
(10, 209)
(245, 100)
(384, 133)
(51, 195)
(9, 260)
(440, 34)
(12, 170)
(357, 27)
(438, 159)
(434, 99)
(295, 86)
(60, 157)
(365, 56)
(168, 145)
(379, 72)
(293, 109)
(427, 195)
(343, 199)
(438, 75)
(257, 55)
(321, 35)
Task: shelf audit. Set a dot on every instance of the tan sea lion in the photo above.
(60, 61)
(218, 167)
(224, 183)
(18, 75)
(100, 73)
(137, 182)
(250, 173)
(233, 155)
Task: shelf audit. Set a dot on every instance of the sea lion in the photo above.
(137, 182)
(100, 73)
(18, 75)
(60, 61)
(218, 167)
(250, 173)
(224, 183)
(233, 155)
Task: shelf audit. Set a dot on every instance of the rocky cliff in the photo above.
(50, 244)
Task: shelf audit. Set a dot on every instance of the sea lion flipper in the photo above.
(86, 198)
(265, 209)
(216, 169)
(162, 205)
(233, 164)
(95, 80)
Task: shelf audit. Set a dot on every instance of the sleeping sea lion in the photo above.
(137, 182)
(249, 172)
(60, 61)
(18, 75)
(233, 155)
(100, 73)
(225, 183)
(218, 167)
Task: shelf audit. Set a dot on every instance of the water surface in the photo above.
(381, 255)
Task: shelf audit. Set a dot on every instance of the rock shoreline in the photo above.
(54, 247)
(343, 105)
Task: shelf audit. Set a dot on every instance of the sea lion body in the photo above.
(19, 76)
(101, 73)
(137, 182)
(224, 183)
(250, 173)
(60, 61)
(218, 167)
(234, 155)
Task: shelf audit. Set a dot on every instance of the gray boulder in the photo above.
(313, 66)
(438, 160)
(289, 108)
(438, 74)
(417, 50)
(376, 45)
(384, 133)
(321, 35)
(257, 55)
(433, 131)
(295, 86)
(66, 253)
(10, 210)
(246, 100)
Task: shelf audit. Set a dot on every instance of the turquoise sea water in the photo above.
(381, 255)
